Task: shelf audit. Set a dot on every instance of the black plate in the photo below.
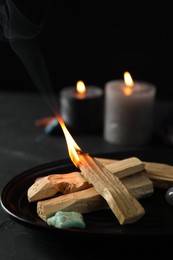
(158, 219)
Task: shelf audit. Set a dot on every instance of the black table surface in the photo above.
(23, 146)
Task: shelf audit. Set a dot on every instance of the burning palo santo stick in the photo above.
(123, 204)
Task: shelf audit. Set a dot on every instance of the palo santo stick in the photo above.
(48, 186)
(161, 174)
(107, 161)
(66, 183)
(139, 185)
(123, 204)
(159, 169)
(125, 167)
(89, 200)
(81, 201)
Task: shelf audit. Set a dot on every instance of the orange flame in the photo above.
(128, 89)
(80, 90)
(73, 148)
(80, 87)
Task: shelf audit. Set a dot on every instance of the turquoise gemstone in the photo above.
(65, 219)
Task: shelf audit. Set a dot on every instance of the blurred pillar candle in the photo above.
(129, 111)
(81, 108)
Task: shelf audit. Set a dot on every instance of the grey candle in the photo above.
(128, 115)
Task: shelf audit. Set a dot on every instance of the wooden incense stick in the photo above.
(161, 174)
(52, 184)
(123, 204)
(83, 201)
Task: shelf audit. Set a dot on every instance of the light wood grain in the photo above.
(123, 204)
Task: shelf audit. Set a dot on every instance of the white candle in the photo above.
(129, 111)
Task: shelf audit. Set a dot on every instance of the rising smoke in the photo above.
(20, 25)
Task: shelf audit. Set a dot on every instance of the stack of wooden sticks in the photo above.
(92, 188)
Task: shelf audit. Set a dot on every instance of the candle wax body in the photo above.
(128, 120)
(82, 113)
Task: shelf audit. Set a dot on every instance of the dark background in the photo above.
(96, 41)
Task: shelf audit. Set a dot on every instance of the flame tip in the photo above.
(73, 148)
(80, 87)
(129, 84)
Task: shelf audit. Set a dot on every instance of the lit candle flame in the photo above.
(80, 87)
(128, 89)
(73, 148)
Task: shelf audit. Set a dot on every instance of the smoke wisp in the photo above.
(21, 29)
